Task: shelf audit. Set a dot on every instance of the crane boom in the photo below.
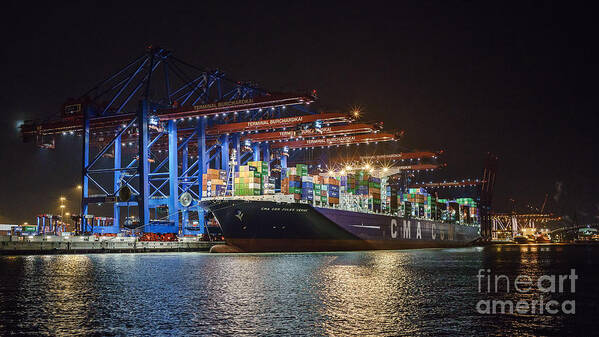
(268, 124)
(75, 123)
(402, 155)
(331, 141)
(324, 131)
(467, 182)
(544, 202)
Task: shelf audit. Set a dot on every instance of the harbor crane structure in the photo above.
(150, 131)
(505, 226)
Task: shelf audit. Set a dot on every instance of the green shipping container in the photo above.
(29, 229)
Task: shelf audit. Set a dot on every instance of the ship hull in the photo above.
(268, 226)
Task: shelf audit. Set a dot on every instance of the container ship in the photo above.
(333, 211)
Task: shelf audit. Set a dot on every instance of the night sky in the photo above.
(518, 80)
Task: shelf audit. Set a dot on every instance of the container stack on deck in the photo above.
(332, 187)
(391, 199)
(367, 188)
(418, 203)
(443, 209)
(418, 198)
(326, 191)
(267, 183)
(248, 181)
(292, 185)
(374, 193)
(320, 192)
(469, 209)
(307, 188)
(294, 182)
(214, 183)
(360, 190)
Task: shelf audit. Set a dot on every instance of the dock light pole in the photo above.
(62, 206)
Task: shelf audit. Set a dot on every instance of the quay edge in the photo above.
(38, 245)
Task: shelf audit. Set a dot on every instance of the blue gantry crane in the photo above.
(150, 130)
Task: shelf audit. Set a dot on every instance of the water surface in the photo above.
(412, 292)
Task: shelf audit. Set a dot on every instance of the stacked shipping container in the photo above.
(214, 183)
(312, 188)
(248, 181)
(367, 191)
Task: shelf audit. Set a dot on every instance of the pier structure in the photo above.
(150, 131)
(505, 226)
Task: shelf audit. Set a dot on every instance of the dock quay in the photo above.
(24, 245)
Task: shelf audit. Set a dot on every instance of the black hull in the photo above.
(267, 226)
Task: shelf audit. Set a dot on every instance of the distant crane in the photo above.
(544, 202)
(507, 225)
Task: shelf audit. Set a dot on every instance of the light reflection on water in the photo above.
(340, 294)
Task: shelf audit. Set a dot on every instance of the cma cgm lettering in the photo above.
(423, 230)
